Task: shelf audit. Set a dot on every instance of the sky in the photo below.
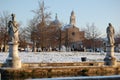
(99, 12)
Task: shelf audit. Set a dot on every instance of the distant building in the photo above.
(54, 35)
(75, 36)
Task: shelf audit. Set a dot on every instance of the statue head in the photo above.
(13, 17)
(110, 24)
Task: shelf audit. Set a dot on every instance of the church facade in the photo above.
(75, 36)
(56, 35)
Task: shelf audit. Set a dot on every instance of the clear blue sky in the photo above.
(100, 12)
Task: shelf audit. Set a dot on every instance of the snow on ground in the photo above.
(57, 57)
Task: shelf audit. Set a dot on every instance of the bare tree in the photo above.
(92, 34)
(117, 38)
(4, 18)
(23, 37)
(117, 34)
(38, 25)
(41, 14)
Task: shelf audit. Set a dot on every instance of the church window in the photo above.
(73, 33)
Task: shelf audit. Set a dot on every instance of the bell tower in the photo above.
(72, 18)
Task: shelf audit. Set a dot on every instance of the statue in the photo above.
(13, 59)
(110, 58)
(110, 35)
(13, 30)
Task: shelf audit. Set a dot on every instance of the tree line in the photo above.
(33, 33)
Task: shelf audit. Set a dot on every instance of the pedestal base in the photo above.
(13, 63)
(110, 59)
(13, 59)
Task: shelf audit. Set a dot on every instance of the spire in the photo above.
(72, 18)
(72, 13)
(56, 18)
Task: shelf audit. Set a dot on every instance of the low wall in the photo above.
(25, 65)
(48, 72)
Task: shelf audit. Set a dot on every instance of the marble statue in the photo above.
(13, 59)
(110, 34)
(13, 30)
(110, 58)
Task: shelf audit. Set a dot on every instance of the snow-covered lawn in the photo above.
(57, 57)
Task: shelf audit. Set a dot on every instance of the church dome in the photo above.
(56, 22)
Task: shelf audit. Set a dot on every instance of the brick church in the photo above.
(56, 35)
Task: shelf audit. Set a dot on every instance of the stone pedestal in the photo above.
(110, 59)
(13, 59)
